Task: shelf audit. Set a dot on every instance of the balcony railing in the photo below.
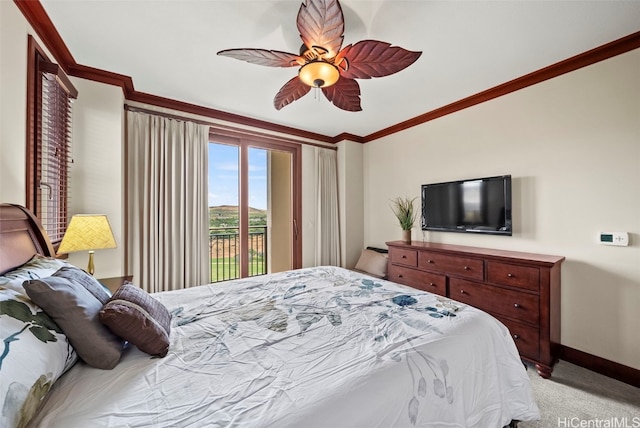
(224, 248)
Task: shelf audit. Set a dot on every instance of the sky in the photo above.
(223, 176)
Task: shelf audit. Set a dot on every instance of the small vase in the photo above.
(406, 236)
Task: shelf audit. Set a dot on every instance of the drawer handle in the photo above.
(404, 257)
(400, 276)
(466, 268)
(516, 337)
(461, 291)
(515, 305)
(432, 284)
(510, 275)
(429, 261)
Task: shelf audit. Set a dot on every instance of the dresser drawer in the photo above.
(513, 275)
(452, 265)
(525, 337)
(403, 257)
(514, 304)
(431, 282)
(522, 290)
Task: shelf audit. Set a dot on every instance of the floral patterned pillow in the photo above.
(34, 354)
(36, 268)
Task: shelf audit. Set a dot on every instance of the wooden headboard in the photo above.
(21, 236)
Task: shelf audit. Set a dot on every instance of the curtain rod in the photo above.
(135, 109)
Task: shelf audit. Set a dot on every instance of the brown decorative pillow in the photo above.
(372, 263)
(75, 309)
(135, 316)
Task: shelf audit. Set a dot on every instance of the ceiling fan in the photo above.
(323, 64)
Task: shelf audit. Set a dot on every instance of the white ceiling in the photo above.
(169, 49)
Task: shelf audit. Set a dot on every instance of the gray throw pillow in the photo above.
(78, 276)
(75, 309)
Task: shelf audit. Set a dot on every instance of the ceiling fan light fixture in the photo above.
(319, 74)
(323, 61)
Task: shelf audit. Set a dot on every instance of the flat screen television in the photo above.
(481, 205)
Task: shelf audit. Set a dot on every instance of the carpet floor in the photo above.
(575, 397)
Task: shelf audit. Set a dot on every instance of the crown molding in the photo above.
(103, 76)
(347, 136)
(44, 28)
(609, 50)
(36, 16)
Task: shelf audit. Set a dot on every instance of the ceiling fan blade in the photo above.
(264, 57)
(371, 58)
(345, 94)
(293, 90)
(321, 23)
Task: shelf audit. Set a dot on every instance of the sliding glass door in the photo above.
(256, 249)
(224, 211)
(254, 207)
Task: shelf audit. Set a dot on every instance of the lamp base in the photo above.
(90, 267)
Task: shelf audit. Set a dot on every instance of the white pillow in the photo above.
(373, 263)
(36, 268)
(38, 354)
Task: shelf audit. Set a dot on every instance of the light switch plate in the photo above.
(620, 239)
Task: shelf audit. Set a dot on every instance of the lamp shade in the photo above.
(87, 232)
(319, 74)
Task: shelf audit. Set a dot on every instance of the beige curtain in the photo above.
(167, 202)
(327, 219)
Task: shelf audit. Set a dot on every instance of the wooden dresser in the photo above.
(522, 290)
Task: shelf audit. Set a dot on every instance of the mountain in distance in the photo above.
(227, 216)
(232, 211)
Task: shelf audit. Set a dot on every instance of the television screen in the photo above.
(478, 205)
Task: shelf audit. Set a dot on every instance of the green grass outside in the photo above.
(231, 271)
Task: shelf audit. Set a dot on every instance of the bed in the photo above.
(314, 347)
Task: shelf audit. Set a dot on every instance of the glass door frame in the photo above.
(262, 141)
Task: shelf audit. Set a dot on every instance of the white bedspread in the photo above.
(321, 347)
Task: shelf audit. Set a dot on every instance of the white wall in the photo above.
(14, 30)
(572, 145)
(97, 174)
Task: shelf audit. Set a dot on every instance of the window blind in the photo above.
(52, 151)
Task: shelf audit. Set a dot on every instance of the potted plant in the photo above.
(406, 215)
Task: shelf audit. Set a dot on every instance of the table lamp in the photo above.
(87, 232)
